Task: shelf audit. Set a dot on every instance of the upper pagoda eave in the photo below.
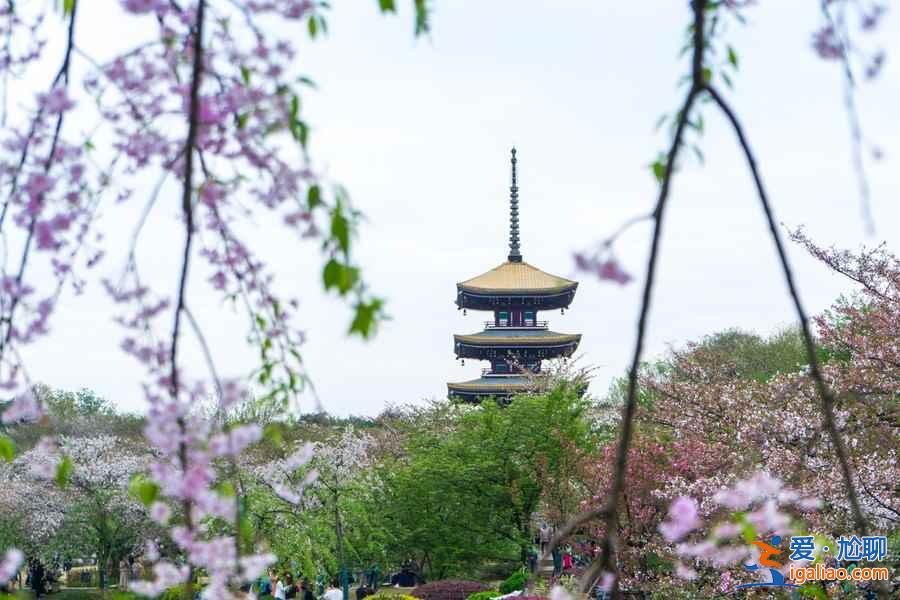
(517, 284)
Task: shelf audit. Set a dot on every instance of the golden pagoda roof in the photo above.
(517, 337)
(494, 383)
(517, 277)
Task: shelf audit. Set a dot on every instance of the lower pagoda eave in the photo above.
(501, 387)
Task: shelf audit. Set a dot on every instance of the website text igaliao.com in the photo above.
(822, 573)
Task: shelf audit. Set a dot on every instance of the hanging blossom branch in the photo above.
(833, 41)
(208, 101)
(700, 89)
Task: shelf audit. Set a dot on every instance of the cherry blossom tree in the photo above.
(94, 513)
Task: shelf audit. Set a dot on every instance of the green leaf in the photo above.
(68, 7)
(7, 448)
(64, 472)
(313, 197)
(367, 316)
(300, 131)
(295, 107)
(422, 24)
(659, 170)
(387, 6)
(732, 57)
(145, 490)
(340, 276)
(313, 26)
(242, 120)
(245, 75)
(707, 74)
(340, 230)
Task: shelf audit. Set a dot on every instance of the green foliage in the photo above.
(514, 582)
(755, 357)
(7, 448)
(64, 472)
(468, 480)
(173, 593)
(422, 13)
(488, 595)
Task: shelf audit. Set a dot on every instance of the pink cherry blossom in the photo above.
(56, 101)
(682, 519)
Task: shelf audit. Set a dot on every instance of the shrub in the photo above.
(488, 595)
(175, 593)
(514, 582)
(448, 589)
(388, 595)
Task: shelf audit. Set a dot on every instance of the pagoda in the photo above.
(515, 341)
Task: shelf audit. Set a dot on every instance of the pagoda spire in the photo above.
(514, 254)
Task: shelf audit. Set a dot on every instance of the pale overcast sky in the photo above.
(420, 131)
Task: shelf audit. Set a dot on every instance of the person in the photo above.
(532, 558)
(557, 562)
(307, 591)
(265, 583)
(290, 590)
(333, 592)
(279, 592)
(545, 535)
(38, 578)
(567, 559)
(124, 571)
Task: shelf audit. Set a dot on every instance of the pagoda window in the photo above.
(503, 318)
(529, 318)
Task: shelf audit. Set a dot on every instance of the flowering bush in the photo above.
(448, 589)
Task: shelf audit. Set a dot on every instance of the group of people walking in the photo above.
(565, 558)
(281, 586)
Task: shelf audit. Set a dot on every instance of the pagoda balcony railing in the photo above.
(525, 325)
